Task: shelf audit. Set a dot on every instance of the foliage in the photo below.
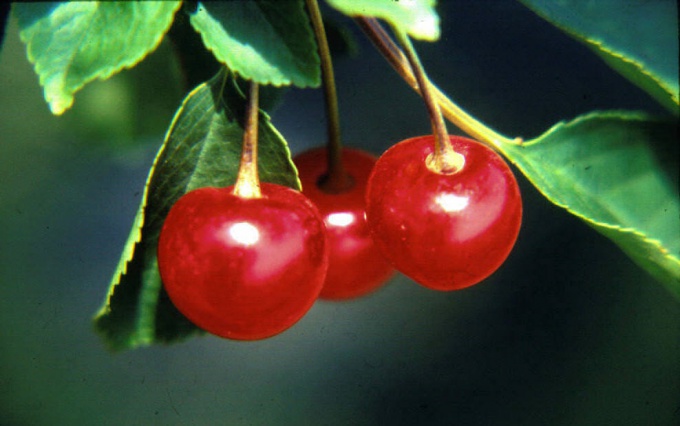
(606, 168)
(609, 168)
(636, 38)
(73, 43)
(267, 42)
(202, 148)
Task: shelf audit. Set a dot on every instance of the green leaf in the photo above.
(73, 43)
(417, 18)
(270, 42)
(618, 172)
(637, 38)
(202, 148)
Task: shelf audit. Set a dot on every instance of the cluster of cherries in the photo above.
(248, 261)
(249, 268)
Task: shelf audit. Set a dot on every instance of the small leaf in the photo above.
(202, 148)
(270, 42)
(610, 169)
(417, 18)
(73, 43)
(639, 38)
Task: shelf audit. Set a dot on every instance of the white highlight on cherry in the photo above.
(244, 233)
(340, 219)
(452, 202)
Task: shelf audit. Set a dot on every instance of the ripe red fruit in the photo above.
(445, 231)
(356, 266)
(243, 268)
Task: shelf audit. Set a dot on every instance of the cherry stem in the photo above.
(396, 58)
(445, 160)
(336, 178)
(248, 181)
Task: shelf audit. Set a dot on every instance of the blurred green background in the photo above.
(567, 332)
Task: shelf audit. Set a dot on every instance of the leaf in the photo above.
(638, 38)
(618, 172)
(417, 18)
(73, 43)
(202, 148)
(270, 42)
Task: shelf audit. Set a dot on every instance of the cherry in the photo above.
(445, 231)
(356, 266)
(243, 268)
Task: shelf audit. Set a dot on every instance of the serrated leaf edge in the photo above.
(612, 113)
(600, 45)
(622, 114)
(135, 236)
(641, 66)
(665, 253)
(278, 83)
(57, 107)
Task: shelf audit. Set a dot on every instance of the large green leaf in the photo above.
(638, 38)
(618, 172)
(73, 43)
(417, 18)
(270, 42)
(202, 148)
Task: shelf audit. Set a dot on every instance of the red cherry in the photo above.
(356, 266)
(446, 231)
(243, 268)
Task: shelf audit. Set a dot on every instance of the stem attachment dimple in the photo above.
(336, 178)
(445, 159)
(248, 181)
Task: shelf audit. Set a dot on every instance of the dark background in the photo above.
(567, 332)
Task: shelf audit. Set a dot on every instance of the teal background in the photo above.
(567, 332)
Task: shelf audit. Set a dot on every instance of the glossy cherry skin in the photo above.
(445, 231)
(243, 268)
(356, 266)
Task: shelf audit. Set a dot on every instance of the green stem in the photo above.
(248, 181)
(446, 160)
(336, 178)
(451, 111)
